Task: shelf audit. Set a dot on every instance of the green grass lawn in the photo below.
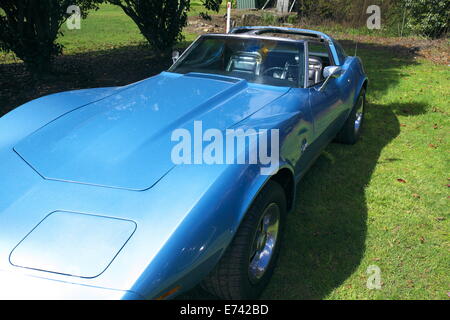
(383, 202)
(106, 28)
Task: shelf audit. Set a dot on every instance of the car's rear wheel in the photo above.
(248, 263)
(351, 131)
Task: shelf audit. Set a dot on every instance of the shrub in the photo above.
(213, 5)
(29, 28)
(428, 17)
(269, 19)
(160, 21)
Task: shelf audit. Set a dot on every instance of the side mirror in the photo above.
(328, 73)
(332, 71)
(175, 56)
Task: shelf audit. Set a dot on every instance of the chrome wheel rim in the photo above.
(264, 243)
(359, 115)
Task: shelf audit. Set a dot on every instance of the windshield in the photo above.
(265, 61)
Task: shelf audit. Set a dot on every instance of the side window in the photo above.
(340, 51)
(319, 58)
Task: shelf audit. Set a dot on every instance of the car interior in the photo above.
(283, 65)
(318, 59)
(280, 65)
(245, 62)
(260, 61)
(319, 54)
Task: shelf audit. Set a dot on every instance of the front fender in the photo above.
(198, 243)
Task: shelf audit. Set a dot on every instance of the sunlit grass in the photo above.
(109, 27)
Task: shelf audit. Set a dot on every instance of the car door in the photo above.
(326, 105)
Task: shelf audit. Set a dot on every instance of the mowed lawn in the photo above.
(109, 28)
(383, 202)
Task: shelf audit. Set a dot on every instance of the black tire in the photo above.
(349, 134)
(230, 279)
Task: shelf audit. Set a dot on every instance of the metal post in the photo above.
(292, 7)
(228, 17)
(265, 5)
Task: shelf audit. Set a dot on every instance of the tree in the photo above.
(160, 21)
(29, 28)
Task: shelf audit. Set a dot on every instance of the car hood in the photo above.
(124, 140)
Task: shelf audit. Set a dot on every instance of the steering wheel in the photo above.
(273, 69)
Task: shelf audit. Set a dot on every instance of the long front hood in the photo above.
(124, 141)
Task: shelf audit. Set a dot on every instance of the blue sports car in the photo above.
(184, 178)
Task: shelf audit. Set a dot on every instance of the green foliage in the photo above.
(160, 21)
(30, 28)
(269, 19)
(292, 19)
(318, 8)
(422, 17)
(213, 5)
(428, 17)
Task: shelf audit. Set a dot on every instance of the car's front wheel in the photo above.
(247, 265)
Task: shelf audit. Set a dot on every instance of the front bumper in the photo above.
(17, 286)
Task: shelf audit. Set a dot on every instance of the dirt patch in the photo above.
(197, 25)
